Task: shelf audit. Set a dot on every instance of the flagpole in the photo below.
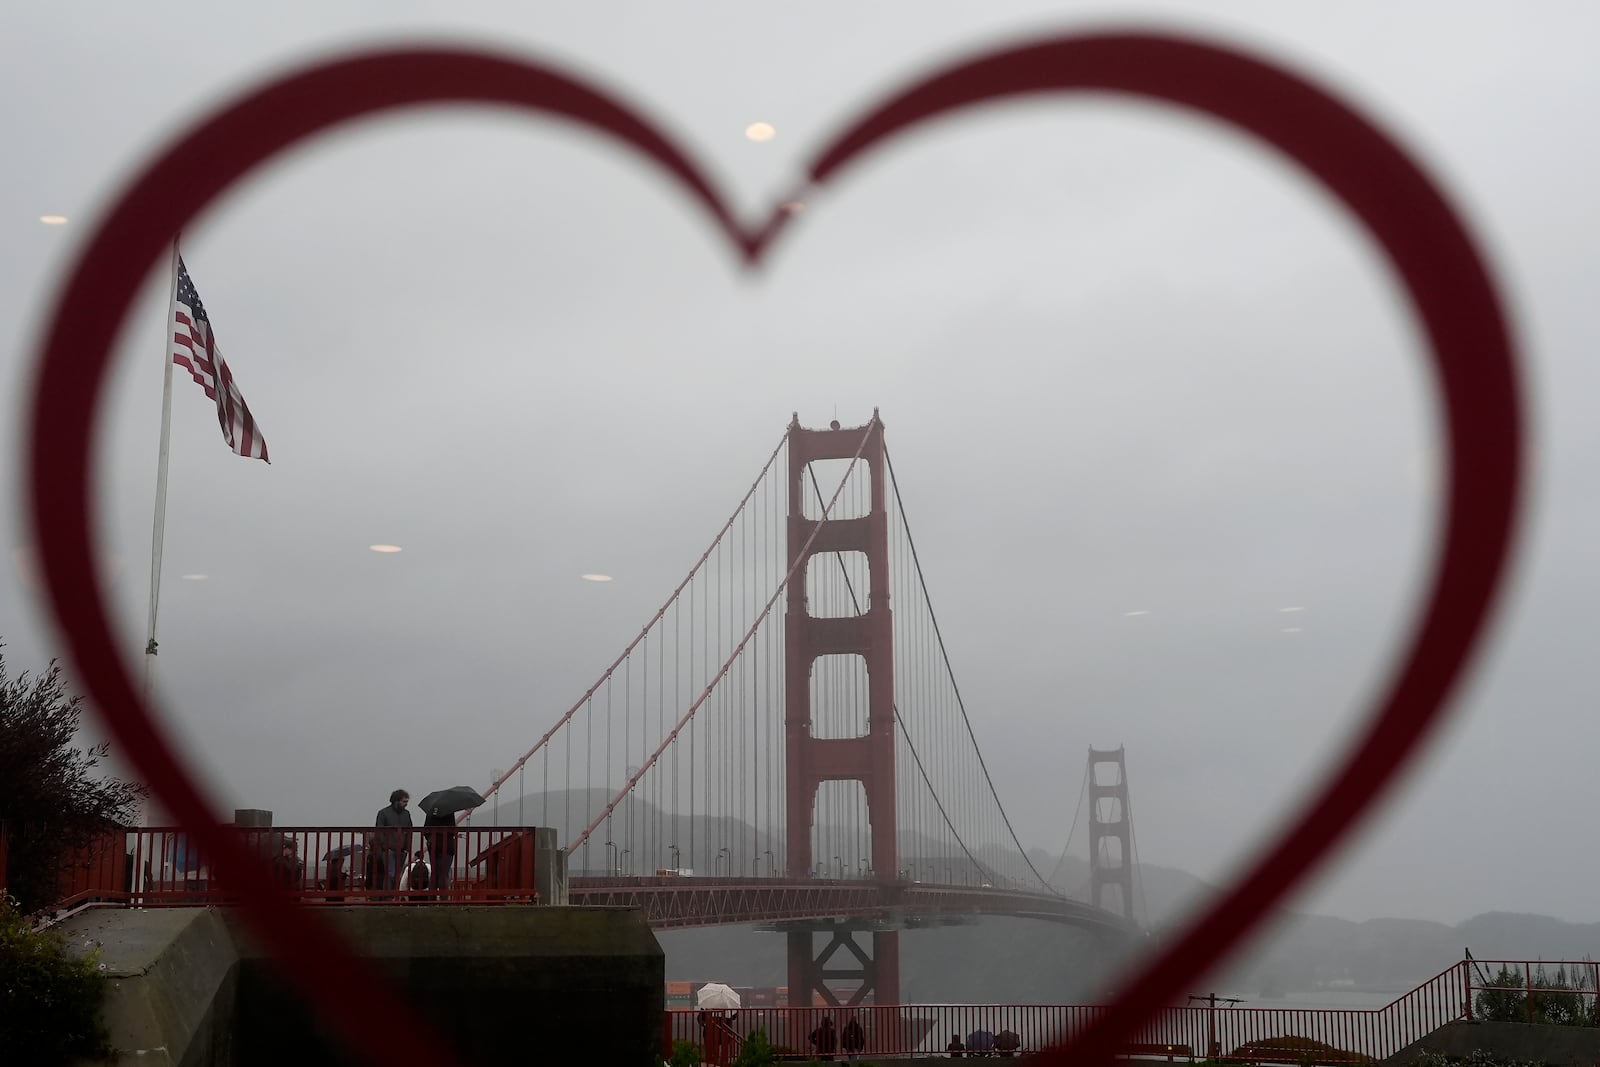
(158, 534)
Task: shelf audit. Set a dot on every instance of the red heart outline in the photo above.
(1427, 245)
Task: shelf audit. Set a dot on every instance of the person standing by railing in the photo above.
(853, 1039)
(439, 830)
(393, 838)
(287, 869)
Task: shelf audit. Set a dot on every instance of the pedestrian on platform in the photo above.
(394, 836)
(439, 831)
(955, 1047)
(286, 868)
(825, 1039)
(417, 876)
(1006, 1043)
(853, 1039)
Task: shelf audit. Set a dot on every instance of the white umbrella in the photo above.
(717, 997)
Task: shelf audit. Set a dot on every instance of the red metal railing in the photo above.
(158, 866)
(1245, 1035)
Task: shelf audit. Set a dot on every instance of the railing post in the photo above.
(525, 849)
(1527, 974)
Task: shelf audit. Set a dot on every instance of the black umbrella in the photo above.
(449, 801)
(345, 850)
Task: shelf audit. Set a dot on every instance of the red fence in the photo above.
(1244, 1035)
(160, 866)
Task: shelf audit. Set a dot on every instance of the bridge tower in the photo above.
(1109, 819)
(869, 758)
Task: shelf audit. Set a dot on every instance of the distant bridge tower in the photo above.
(869, 758)
(1109, 822)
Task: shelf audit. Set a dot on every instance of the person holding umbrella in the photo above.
(718, 1003)
(439, 828)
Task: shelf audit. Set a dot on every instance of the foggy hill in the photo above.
(700, 840)
(1305, 952)
(997, 959)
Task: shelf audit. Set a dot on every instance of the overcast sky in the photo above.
(1128, 362)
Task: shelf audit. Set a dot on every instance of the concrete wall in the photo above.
(1559, 1046)
(173, 975)
(503, 984)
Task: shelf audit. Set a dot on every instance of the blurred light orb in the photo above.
(760, 131)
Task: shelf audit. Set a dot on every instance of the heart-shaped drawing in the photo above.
(1426, 243)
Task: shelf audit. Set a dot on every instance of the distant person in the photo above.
(853, 1039)
(1006, 1043)
(286, 868)
(417, 876)
(393, 839)
(955, 1047)
(338, 879)
(825, 1039)
(439, 831)
(720, 1039)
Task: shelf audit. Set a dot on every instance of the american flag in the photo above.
(194, 348)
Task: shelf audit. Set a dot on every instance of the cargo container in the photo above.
(759, 997)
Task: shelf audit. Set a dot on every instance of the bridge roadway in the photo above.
(674, 902)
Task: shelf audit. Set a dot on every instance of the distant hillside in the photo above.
(1029, 962)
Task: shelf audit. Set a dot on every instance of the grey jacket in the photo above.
(397, 823)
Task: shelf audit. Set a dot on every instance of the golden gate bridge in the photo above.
(784, 742)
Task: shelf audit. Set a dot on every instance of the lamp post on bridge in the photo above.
(611, 857)
(724, 854)
(772, 866)
(677, 863)
(840, 864)
(622, 861)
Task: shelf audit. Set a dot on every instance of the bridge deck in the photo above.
(679, 902)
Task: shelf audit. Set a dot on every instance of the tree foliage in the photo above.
(755, 1051)
(1558, 999)
(50, 999)
(685, 1054)
(55, 796)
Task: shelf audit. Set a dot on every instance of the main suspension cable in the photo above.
(949, 670)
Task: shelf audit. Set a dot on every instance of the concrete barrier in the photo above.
(191, 986)
(173, 974)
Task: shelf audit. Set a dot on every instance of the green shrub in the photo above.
(756, 1052)
(1475, 1058)
(686, 1054)
(1553, 999)
(49, 1000)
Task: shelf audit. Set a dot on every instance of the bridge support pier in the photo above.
(1110, 823)
(810, 760)
(842, 959)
